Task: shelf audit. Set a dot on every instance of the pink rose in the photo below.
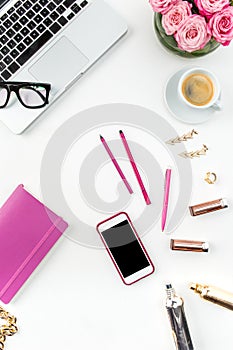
(193, 34)
(209, 7)
(175, 17)
(221, 26)
(162, 6)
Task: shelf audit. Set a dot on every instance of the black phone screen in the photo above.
(125, 248)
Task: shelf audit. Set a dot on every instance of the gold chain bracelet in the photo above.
(7, 329)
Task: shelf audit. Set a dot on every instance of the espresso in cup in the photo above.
(198, 89)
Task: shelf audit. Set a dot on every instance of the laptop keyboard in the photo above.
(28, 25)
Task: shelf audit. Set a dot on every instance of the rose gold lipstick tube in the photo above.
(208, 207)
(192, 246)
(214, 294)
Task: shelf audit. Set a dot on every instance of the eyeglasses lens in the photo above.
(3, 96)
(33, 96)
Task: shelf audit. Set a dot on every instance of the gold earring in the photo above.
(210, 178)
(182, 138)
(194, 154)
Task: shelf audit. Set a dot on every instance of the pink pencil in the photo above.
(166, 196)
(135, 169)
(116, 164)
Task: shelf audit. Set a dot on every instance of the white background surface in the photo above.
(75, 299)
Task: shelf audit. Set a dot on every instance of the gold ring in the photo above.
(210, 178)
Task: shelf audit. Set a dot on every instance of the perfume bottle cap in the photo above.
(193, 286)
(197, 288)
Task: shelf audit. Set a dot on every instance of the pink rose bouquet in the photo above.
(221, 26)
(162, 6)
(193, 26)
(176, 16)
(208, 7)
(193, 34)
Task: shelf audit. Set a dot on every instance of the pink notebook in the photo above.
(28, 230)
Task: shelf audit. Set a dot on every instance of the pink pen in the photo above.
(166, 196)
(116, 164)
(135, 169)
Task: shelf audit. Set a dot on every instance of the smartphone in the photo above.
(125, 248)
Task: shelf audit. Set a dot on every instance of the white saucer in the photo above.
(178, 109)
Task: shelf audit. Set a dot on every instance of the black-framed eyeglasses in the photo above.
(30, 95)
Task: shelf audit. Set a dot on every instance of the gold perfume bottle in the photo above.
(214, 294)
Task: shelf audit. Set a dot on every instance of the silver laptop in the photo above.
(51, 41)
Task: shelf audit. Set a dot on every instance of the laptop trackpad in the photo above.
(59, 65)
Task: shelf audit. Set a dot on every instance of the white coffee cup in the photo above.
(192, 86)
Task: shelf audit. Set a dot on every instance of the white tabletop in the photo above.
(75, 299)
